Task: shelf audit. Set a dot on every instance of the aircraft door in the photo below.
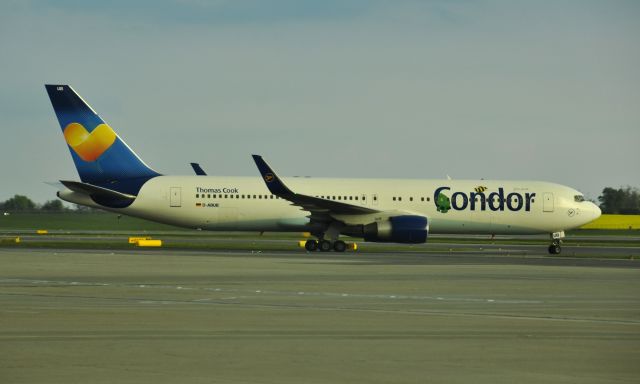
(547, 202)
(175, 196)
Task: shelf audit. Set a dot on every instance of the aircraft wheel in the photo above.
(324, 246)
(555, 249)
(339, 246)
(311, 245)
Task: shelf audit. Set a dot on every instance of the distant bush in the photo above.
(53, 206)
(21, 203)
(18, 203)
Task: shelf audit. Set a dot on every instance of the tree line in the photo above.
(21, 203)
(624, 200)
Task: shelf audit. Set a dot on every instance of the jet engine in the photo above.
(398, 229)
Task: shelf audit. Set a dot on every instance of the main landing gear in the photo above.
(328, 240)
(556, 240)
(325, 245)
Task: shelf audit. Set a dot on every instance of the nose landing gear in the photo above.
(555, 248)
(556, 240)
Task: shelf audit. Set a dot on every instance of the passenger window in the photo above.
(411, 199)
(394, 198)
(422, 199)
(399, 198)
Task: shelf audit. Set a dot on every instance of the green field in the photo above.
(79, 221)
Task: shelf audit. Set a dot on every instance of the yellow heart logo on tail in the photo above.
(89, 146)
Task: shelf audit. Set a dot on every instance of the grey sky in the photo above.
(350, 88)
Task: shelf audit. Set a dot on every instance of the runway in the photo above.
(288, 316)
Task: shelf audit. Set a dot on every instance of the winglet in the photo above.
(273, 182)
(198, 169)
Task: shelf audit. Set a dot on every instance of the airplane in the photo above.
(114, 178)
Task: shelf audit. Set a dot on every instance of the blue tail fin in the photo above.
(101, 157)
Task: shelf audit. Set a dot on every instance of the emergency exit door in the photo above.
(175, 197)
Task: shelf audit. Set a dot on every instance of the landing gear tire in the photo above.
(555, 249)
(324, 246)
(339, 246)
(311, 245)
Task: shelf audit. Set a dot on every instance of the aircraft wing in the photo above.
(320, 209)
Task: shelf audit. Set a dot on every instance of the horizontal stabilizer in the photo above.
(95, 191)
(55, 184)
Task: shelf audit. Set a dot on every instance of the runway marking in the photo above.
(18, 311)
(234, 296)
(279, 293)
(420, 312)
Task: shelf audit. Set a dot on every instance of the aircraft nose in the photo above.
(595, 211)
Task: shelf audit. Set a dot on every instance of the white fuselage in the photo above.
(245, 203)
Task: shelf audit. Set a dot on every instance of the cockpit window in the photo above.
(578, 198)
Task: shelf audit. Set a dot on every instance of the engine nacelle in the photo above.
(398, 229)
